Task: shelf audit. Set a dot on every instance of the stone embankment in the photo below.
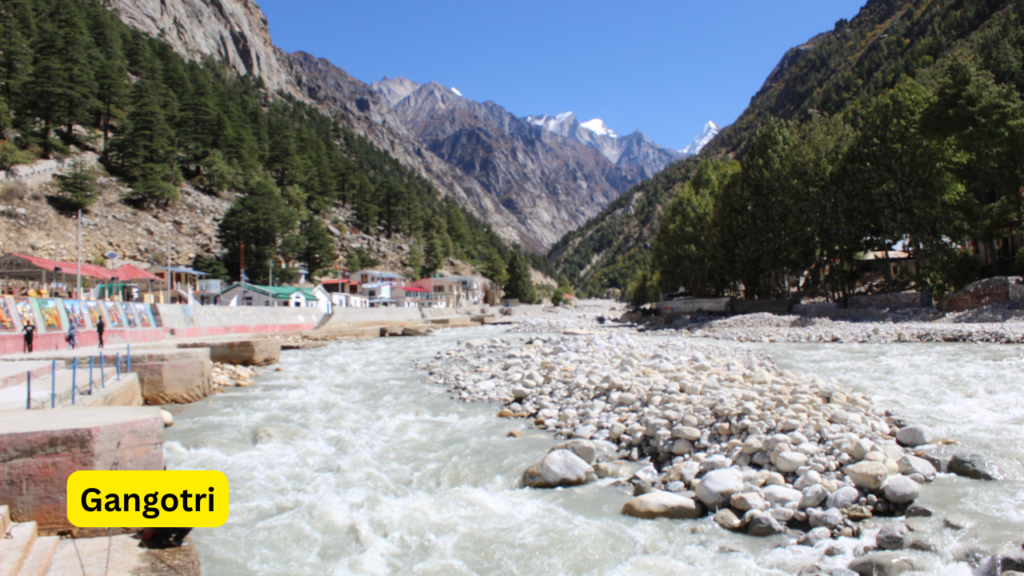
(693, 430)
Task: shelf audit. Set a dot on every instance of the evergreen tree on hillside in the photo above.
(520, 283)
(319, 251)
(17, 29)
(260, 219)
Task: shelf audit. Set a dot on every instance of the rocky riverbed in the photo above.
(695, 430)
(791, 328)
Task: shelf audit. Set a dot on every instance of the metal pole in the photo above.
(128, 359)
(118, 366)
(78, 269)
(90, 375)
(103, 378)
(28, 390)
(74, 380)
(53, 386)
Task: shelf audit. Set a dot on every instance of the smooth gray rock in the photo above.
(558, 468)
(660, 504)
(883, 564)
(813, 496)
(916, 511)
(844, 495)
(830, 518)
(727, 519)
(914, 436)
(893, 536)
(765, 525)
(717, 486)
(583, 448)
(818, 534)
(910, 464)
(781, 496)
(901, 490)
(868, 475)
(973, 466)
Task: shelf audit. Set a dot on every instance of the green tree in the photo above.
(319, 251)
(77, 189)
(360, 259)
(415, 260)
(561, 291)
(147, 148)
(520, 282)
(683, 251)
(494, 268)
(260, 219)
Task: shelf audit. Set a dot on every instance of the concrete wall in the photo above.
(780, 307)
(688, 305)
(361, 317)
(38, 453)
(195, 321)
(895, 300)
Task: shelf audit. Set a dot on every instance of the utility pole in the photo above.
(78, 268)
(169, 277)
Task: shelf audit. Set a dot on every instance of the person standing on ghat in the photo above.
(99, 330)
(29, 331)
(73, 336)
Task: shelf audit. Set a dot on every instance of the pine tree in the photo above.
(78, 58)
(77, 189)
(260, 219)
(148, 148)
(520, 283)
(319, 251)
(17, 31)
(112, 87)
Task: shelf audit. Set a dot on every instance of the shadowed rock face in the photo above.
(516, 199)
(551, 184)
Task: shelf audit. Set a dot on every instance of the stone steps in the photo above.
(16, 549)
(38, 561)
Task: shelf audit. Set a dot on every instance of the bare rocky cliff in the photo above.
(237, 32)
(551, 183)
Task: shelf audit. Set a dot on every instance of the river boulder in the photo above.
(973, 466)
(868, 475)
(883, 564)
(717, 486)
(658, 504)
(914, 436)
(901, 490)
(558, 468)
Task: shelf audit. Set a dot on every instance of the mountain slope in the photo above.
(551, 184)
(632, 151)
(236, 32)
(833, 72)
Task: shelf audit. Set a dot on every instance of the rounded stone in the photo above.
(660, 504)
(868, 475)
(558, 468)
(717, 486)
(913, 436)
(901, 490)
(788, 462)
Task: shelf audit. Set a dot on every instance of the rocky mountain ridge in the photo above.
(237, 32)
(551, 183)
(632, 151)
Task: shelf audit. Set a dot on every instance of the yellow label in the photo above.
(147, 499)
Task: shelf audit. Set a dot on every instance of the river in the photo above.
(362, 467)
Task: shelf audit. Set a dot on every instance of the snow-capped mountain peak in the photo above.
(703, 139)
(456, 91)
(597, 126)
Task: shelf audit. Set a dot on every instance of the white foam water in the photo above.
(349, 462)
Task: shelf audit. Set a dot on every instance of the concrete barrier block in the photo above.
(38, 453)
(174, 376)
(260, 352)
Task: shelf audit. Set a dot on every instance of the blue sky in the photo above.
(664, 67)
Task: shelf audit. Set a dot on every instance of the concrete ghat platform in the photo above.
(167, 375)
(15, 373)
(40, 449)
(240, 352)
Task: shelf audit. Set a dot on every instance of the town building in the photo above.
(244, 294)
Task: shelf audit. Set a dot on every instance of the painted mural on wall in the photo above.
(24, 308)
(129, 316)
(95, 313)
(6, 319)
(75, 313)
(50, 312)
(115, 314)
(142, 311)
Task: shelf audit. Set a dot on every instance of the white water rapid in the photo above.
(362, 467)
